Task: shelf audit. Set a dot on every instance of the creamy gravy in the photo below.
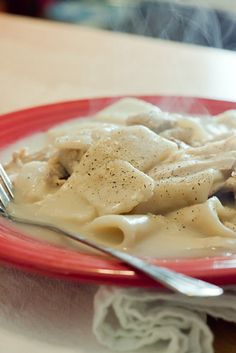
(195, 229)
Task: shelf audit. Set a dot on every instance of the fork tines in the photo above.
(6, 188)
(4, 198)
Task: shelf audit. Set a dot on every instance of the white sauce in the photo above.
(170, 235)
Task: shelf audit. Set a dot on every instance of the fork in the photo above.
(177, 282)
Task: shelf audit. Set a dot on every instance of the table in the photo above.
(42, 62)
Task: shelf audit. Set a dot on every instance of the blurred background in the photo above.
(202, 22)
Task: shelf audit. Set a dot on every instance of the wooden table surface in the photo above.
(43, 62)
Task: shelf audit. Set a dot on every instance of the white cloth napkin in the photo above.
(43, 315)
(128, 319)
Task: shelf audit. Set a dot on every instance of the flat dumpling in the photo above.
(182, 168)
(71, 146)
(111, 174)
(209, 218)
(136, 144)
(202, 229)
(227, 118)
(113, 188)
(81, 138)
(123, 231)
(177, 192)
(118, 112)
(67, 206)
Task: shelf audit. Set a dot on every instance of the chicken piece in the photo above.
(16, 162)
(215, 148)
(156, 121)
(230, 184)
(194, 128)
(180, 134)
(69, 159)
(22, 157)
(57, 174)
(220, 155)
(189, 130)
(204, 129)
(31, 184)
(62, 165)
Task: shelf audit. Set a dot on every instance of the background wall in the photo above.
(202, 22)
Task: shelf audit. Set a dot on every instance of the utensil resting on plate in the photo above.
(178, 282)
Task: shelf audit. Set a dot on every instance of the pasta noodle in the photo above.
(134, 177)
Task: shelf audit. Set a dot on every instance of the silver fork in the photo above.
(178, 282)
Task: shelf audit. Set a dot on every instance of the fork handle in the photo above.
(178, 282)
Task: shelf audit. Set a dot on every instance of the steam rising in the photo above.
(189, 21)
(189, 24)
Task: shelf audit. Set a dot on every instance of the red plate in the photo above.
(36, 256)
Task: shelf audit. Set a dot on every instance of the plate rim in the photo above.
(220, 270)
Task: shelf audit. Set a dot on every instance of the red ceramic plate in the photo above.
(22, 251)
